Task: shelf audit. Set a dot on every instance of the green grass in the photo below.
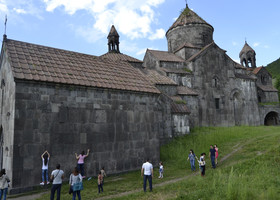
(250, 173)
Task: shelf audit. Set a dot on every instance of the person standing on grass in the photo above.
(4, 184)
(45, 159)
(212, 156)
(192, 158)
(103, 173)
(217, 154)
(57, 176)
(160, 170)
(100, 182)
(202, 164)
(147, 172)
(75, 177)
(81, 161)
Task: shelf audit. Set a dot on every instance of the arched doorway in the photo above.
(271, 119)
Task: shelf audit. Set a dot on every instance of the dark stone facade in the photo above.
(120, 128)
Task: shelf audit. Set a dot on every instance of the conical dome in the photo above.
(189, 28)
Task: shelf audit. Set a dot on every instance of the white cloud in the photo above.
(160, 34)
(256, 44)
(19, 11)
(90, 34)
(132, 18)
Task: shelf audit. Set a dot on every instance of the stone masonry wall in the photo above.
(7, 98)
(120, 128)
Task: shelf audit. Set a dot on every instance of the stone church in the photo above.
(119, 107)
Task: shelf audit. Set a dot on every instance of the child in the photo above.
(202, 164)
(103, 173)
(45, 159)
(100, 182)
(160, 170)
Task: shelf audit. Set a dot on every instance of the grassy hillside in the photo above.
(250, 169)
(274, 68)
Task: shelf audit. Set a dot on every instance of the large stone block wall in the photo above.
(7, 110)
(120, 128)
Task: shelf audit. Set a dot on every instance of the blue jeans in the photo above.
(54, 188)
(149, 177)
(45, 171)
(78, 193)
(100, 187)
(4, 192)
(213, 161)
(81, 168)
(192, 164)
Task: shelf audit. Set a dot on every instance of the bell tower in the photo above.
(247, 56)
(113, 41)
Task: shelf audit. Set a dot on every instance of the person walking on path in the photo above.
(202, 164)
(45, 160)
(81, 161)
(100, 182)
(4, 184)
(212, 156)
(75, 177)
(57, 176)
(217, 154)
(160, 170)
(192, 158)
(103, 173)
(147, 172)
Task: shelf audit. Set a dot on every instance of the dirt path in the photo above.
(236, 148)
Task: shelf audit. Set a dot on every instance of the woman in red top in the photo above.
(217, 154)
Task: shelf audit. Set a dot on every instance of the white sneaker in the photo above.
(48, 182)
(42, 183)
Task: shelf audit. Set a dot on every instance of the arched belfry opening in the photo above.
(113, 41)
(271, 119)
(247, 56)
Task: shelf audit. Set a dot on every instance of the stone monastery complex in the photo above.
(120, 107)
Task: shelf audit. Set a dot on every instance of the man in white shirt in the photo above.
(57, 176)
(148, 173)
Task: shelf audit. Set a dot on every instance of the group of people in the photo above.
(75, 179)
(213, 155)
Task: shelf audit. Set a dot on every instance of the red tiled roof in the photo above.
(179, 108)
(158, 79)
(41, 63)
(165, 56)
(188, 17)
(184, 90)
(256, 70)
(120, 56)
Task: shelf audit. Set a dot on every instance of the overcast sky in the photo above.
(83, 25)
